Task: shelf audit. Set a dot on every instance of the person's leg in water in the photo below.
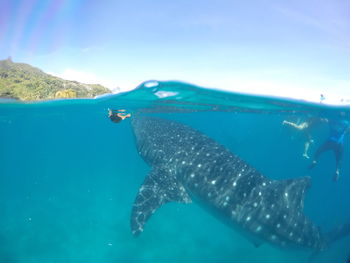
(302, 127)
(307, 146)
(124, 116)
(338, 151)
(327, 145)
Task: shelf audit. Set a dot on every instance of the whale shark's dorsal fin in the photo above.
(159, 187)
(295, 189)
(290, 192)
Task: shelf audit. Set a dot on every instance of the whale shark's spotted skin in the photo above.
(187, 164)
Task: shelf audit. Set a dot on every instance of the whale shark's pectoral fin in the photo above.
(159, 187)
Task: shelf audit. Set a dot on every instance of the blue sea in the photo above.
(69, 177)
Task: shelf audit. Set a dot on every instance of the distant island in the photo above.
(26, 83)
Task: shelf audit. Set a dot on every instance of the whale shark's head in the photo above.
(141, 128)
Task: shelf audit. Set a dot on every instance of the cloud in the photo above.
(85, 77)
(81, 76)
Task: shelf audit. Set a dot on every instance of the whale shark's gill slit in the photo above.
(159, 187)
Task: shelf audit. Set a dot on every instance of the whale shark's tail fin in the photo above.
(159, 187)
(332, 236)
(337, 233)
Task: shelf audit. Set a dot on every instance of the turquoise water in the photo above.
(69, 176)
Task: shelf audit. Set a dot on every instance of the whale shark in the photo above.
(187, 165)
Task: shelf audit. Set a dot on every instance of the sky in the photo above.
(293, 48)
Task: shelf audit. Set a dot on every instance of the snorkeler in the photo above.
(306, 127)
(117, 115)
(335, 140)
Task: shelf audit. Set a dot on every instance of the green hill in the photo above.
(24, 82)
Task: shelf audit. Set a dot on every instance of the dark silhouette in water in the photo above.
(188, 165)
(334, 142)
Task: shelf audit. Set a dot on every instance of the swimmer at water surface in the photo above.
(118, 115)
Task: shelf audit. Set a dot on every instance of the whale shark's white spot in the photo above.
(291, 234)
(248, 218)
(267, 216)
(264, 184)
(199, 165)
(286, 194)
(234, 183)
(278, 225)
(255, 204)
(183, 162)
(258, 229)
(227, 198)
(273, 237)
(213, 182)
(239, 174)
(192, 175)
(259, 193)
